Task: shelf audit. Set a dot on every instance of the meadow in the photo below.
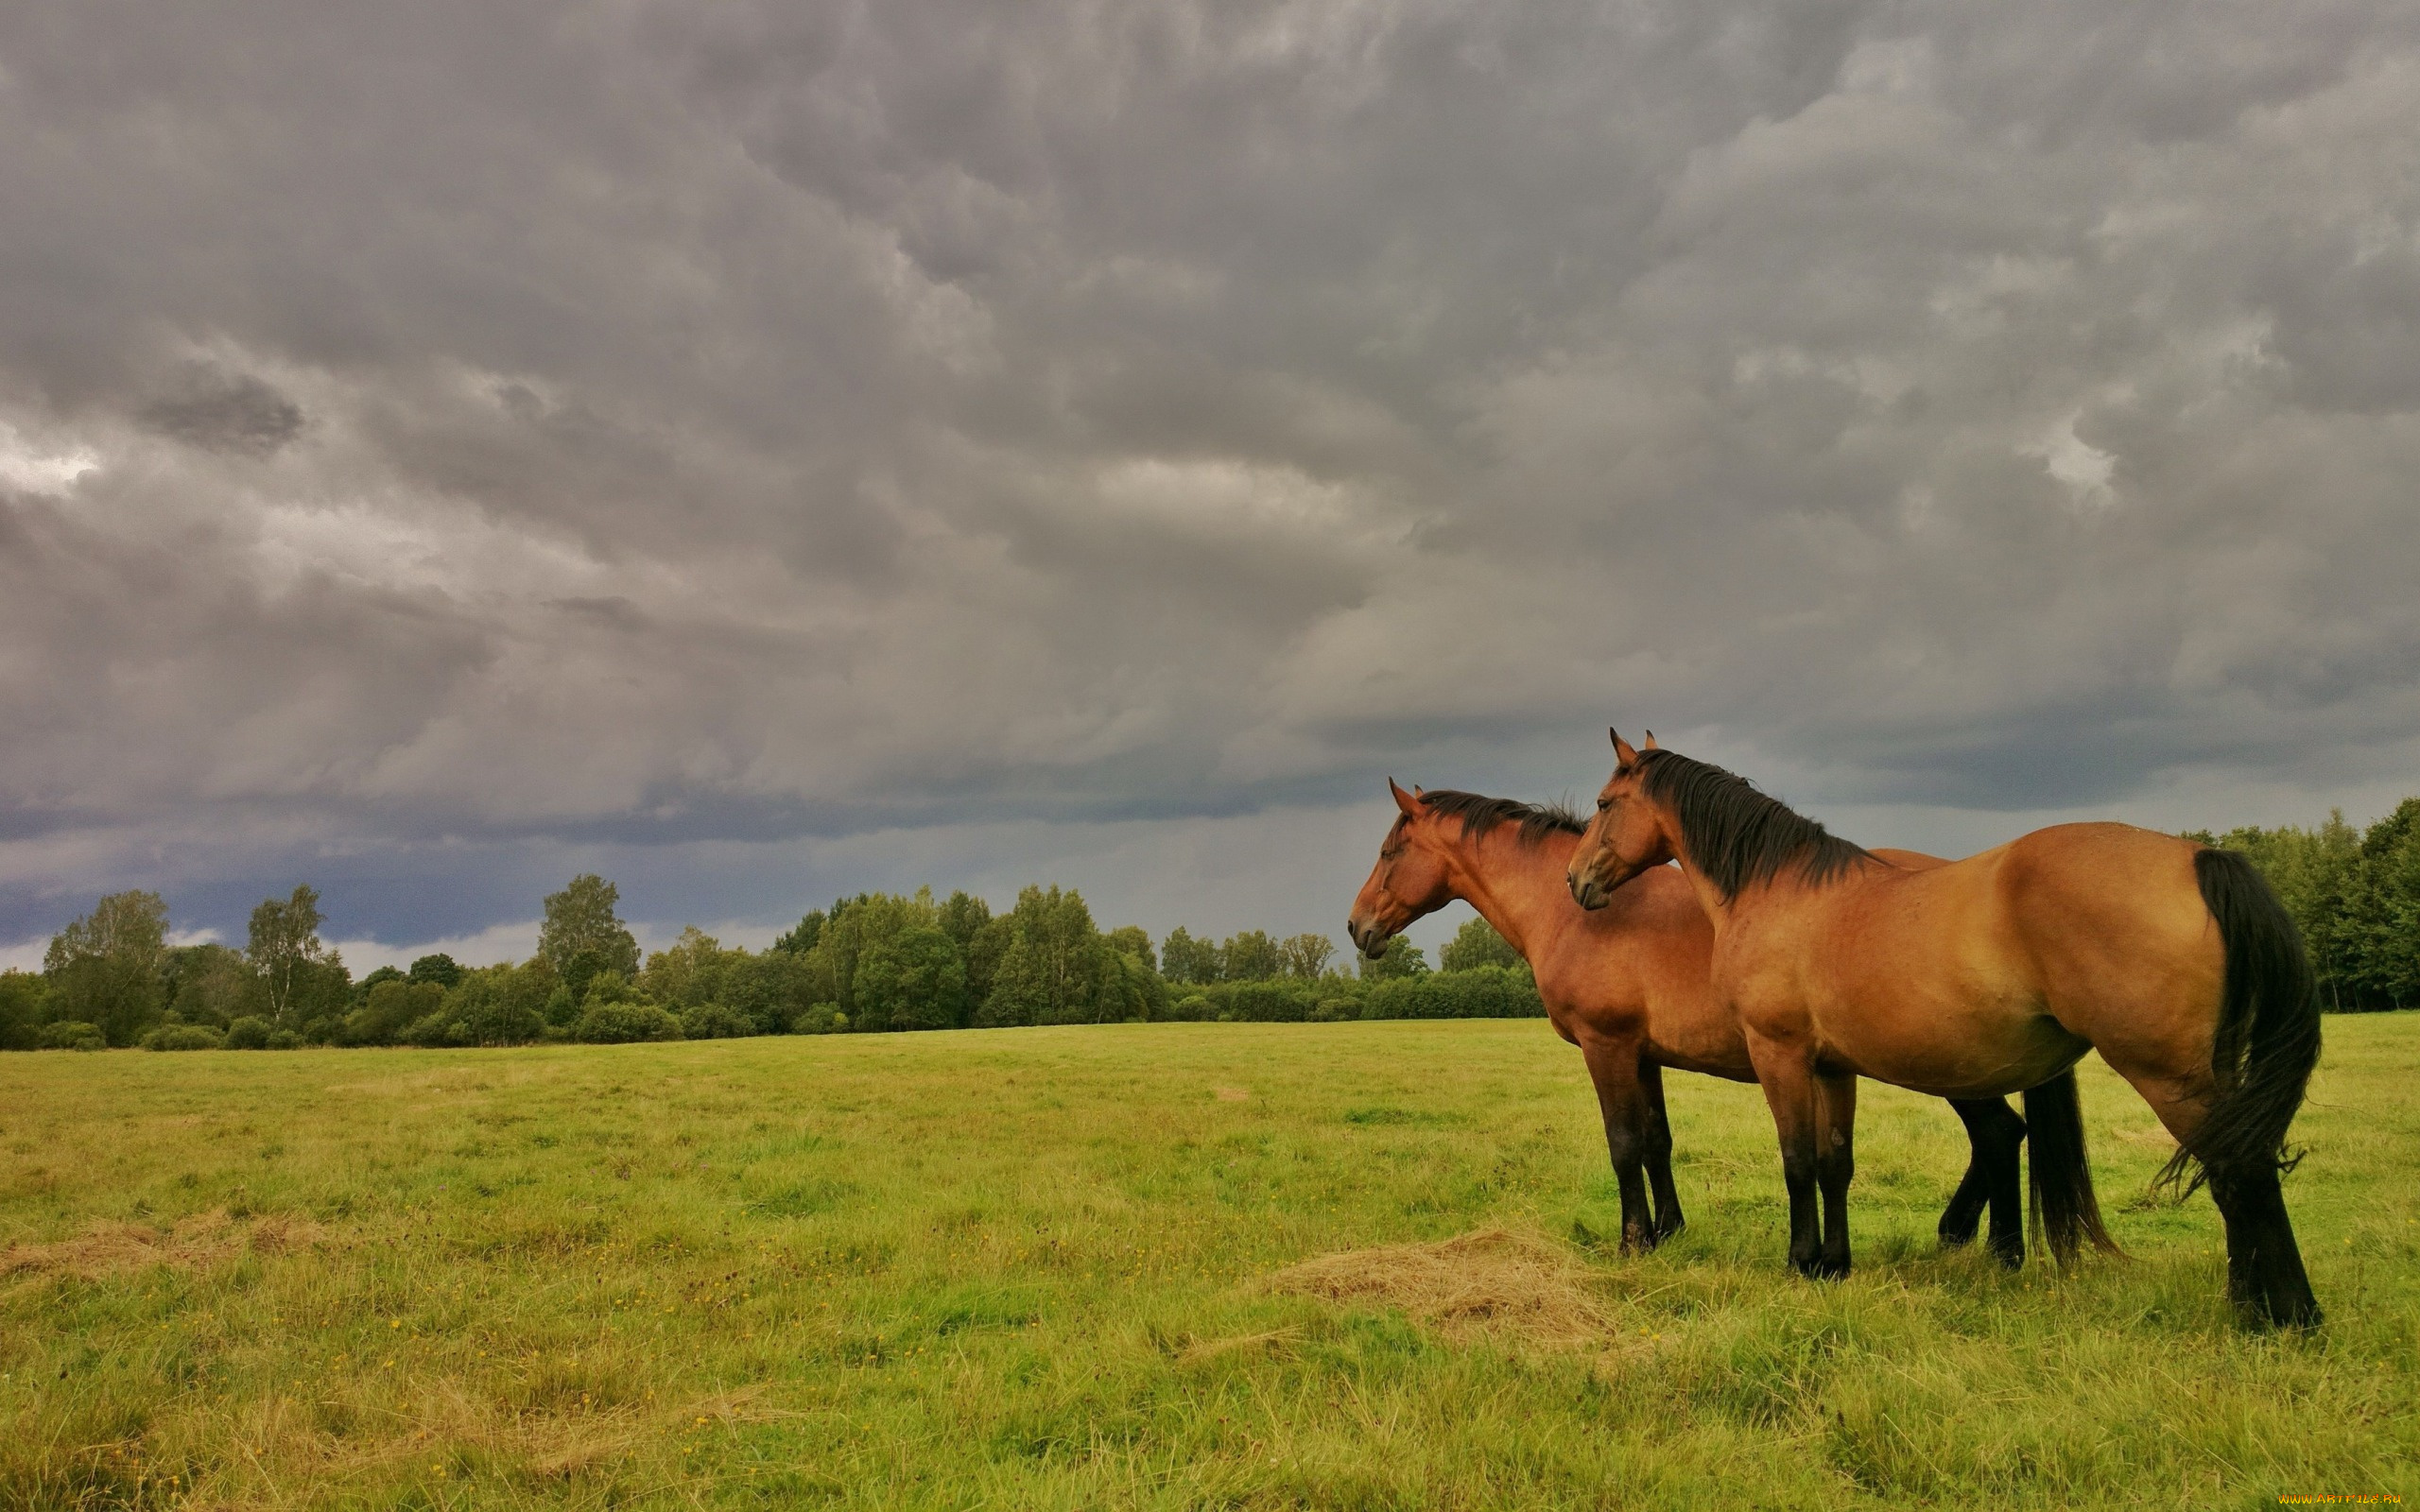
(1351, 1265)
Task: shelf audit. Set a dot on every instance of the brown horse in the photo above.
(1628, 985)
(1986, 976)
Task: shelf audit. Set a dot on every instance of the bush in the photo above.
(72, 1034)
(248, 1033)
(1193, 1008)
(822, 1017)
(711, 1021)
(1264, 1002)
(282, 1040)
(185, 1037)
(619, 1023)
(1335, 1010)
(1485, 993)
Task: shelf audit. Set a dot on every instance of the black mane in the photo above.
(1481, 814)
(1736, 836)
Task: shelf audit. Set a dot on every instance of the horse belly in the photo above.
(1964, 1030)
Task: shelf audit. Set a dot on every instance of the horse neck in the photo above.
(1719, 911)
(1519, 888)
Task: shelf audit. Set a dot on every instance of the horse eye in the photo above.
(1604, 803)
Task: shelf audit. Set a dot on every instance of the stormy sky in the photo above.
(765, 450)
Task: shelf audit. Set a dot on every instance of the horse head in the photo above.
(1408, 880)
(1627, 834)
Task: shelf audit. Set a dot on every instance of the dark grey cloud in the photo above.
(439, 441)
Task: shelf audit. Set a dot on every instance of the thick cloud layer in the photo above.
(443, 443)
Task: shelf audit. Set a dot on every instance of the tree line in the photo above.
(879, 962)
(871, 963)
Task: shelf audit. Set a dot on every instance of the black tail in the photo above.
(2065, 1213)
(2268, 1031)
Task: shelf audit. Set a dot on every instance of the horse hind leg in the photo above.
(2265, 1274)
(2265, 1281)
(1659, 1155)
(1994, 1135)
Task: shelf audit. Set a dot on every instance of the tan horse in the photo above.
(1986, 976)
(1628, 985)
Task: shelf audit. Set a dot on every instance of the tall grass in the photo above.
(1031, 1268)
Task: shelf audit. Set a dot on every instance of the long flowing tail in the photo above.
(2268, 1031)
(2066, 1215)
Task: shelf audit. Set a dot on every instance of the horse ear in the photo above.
(1650, 743)
(1624, 752)
(1403, 801)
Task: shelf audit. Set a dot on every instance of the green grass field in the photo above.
(1035, 1268)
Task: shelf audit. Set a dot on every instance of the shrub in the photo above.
(72, 1033)
(185, 1037)
(248, 1033)
(1266, 1001)
(822, 1017)
(711, 1021)
(282, 1040)
(1193, 1008)
(1335, 1010)
(616, 1024)
(1484, 993)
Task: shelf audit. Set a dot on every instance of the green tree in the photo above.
(1189, 961)
(1249, 956)
(690, 972)
(23, 998)
(962, 916)
(2383, 911)
(500, 1004)
(1477, 944)
(856, 923)
(801, 939)
(1020, 992)
(388, 1009)
(771, 991)
(1051, 968)
(106, 968)
(438, 968)
(583, 935)
(213, 985)
(1305, 957)
(1403, 959)
(915, 979)
(1130, 940)
(284, 950)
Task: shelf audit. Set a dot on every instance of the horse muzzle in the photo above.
(1588, 891)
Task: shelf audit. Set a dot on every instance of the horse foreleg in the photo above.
(1995, 1134)
(1788, 1084)
(1659, 1154)
(1835, 1165)
(1614, 1066)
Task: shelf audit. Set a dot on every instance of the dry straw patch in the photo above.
(1492, 1281)
(192, 1242)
